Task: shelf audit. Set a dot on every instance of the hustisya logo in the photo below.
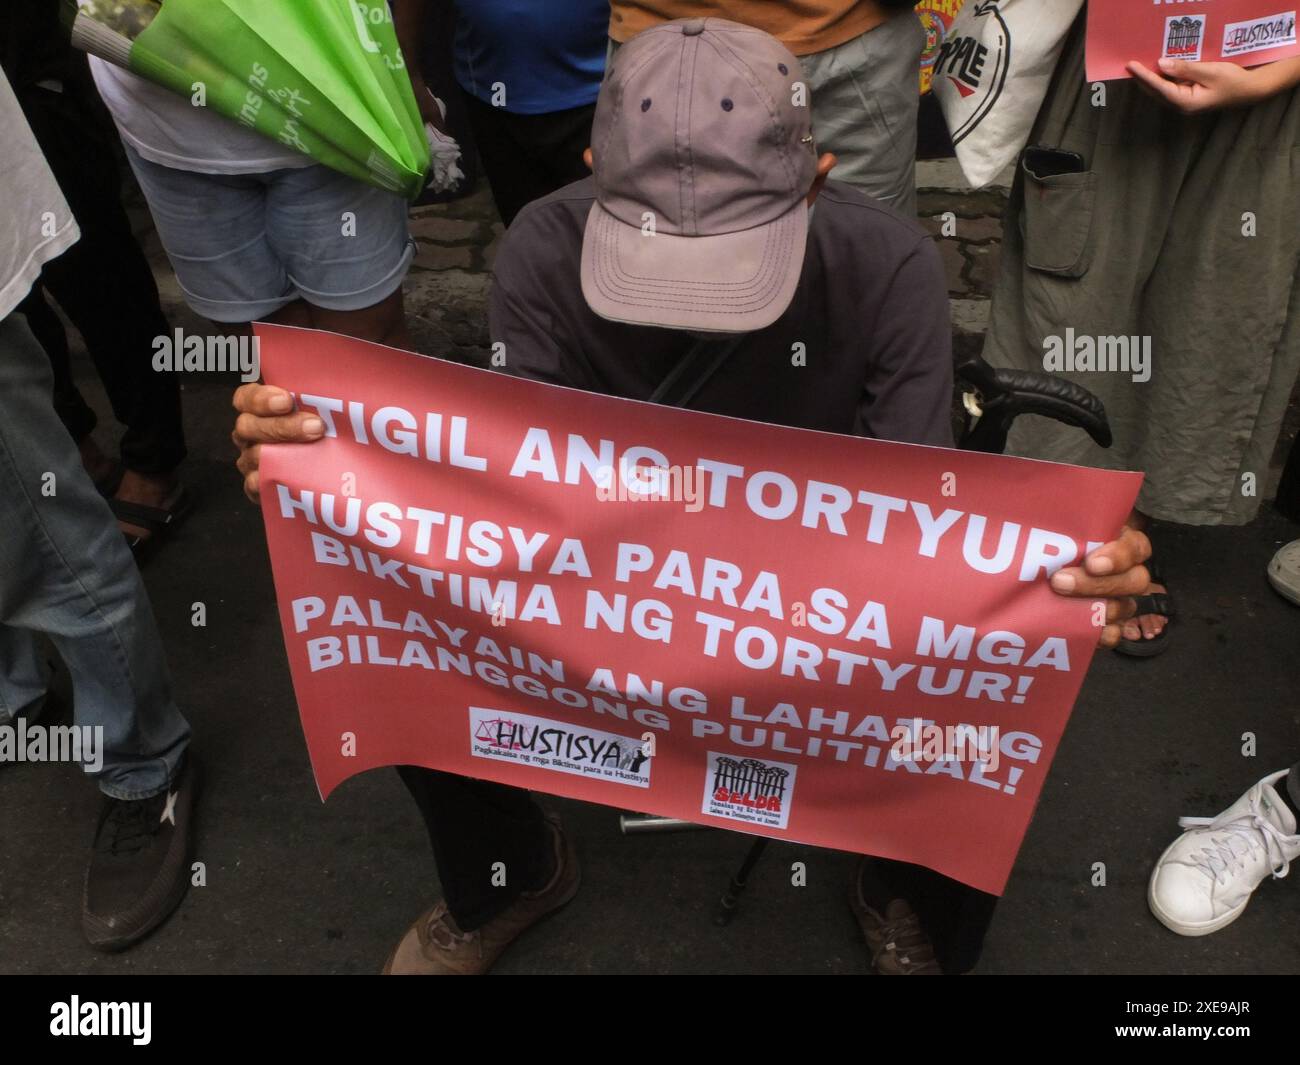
(558, 746)
(749, 789)
(1258, 35)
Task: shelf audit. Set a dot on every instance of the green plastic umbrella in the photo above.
(325, 77)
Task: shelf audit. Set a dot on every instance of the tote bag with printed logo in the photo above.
(991, 75)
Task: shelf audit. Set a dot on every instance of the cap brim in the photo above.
(729, 283)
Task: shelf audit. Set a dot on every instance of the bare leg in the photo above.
(296, 313)
(383, 323)
(96, 463)
(157, 491)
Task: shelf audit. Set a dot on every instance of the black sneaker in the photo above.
(139, 867)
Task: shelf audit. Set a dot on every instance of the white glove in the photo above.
(444, 157)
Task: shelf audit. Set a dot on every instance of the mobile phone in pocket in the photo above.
(1044, 162)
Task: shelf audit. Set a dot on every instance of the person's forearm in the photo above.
(408, 23)
(1278, 77)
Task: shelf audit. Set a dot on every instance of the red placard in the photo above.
(1248, 32)
(782, 632)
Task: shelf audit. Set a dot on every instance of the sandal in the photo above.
(1152, 603)
(108, 484)
(157, 521)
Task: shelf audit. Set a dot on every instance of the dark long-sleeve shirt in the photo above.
(864, 347)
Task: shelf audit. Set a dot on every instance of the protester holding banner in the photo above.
(1161, 211)
(860, 60)
(66, 573)
(611, 285)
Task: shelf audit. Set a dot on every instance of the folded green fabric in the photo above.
(324, 77)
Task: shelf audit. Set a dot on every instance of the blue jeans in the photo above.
(65, 571)
(245, 245)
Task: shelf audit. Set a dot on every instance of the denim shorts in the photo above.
(244, 245)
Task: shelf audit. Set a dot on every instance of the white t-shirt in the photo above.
(36, 223)
(166, 129)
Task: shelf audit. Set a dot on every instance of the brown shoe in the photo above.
(434, 946)
(898, 943)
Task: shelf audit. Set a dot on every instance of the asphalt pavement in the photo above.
(295, 885)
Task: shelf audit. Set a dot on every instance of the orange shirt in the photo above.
(803, 26)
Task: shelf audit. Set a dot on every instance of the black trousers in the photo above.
(105, 286)
(527, 157)
(475, 824)
(1288, 489)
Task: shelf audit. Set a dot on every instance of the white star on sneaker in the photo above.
(1204, 879)
(169, 811)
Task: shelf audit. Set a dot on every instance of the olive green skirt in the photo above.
(1165, 278)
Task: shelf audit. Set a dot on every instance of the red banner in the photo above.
(843, 642)
(1248, 32)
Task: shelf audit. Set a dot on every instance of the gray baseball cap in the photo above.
(703, 158)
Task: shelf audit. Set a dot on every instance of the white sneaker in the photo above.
(1284, 571)
(1205, 877)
